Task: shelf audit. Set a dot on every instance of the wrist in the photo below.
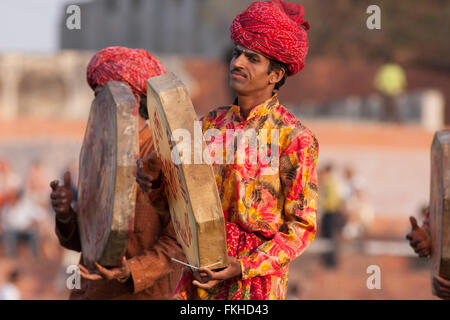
(125, 278)
(64, 217)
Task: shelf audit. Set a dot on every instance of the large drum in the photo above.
(107, 184)
(440, 204)
(195, 206)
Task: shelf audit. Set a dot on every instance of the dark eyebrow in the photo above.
(251, 55)
(247, 53)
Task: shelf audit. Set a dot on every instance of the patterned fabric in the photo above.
(276, 29)
(133, 66)
(271, 211)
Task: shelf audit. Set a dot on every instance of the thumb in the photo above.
(67, 179)
(414, 223)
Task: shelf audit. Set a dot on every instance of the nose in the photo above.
(237, 62)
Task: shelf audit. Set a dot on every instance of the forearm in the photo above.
(67, 232)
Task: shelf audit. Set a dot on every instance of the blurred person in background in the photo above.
(20, 223)
(390, 81)
(9, 182)
(9, 290)
(36, 189)
(420, 240)
(36, 184)
(332, 218)
(358, 212)
(147, 271)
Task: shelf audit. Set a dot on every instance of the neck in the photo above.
(142, 123)
(248, 102)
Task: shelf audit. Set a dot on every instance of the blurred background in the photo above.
(374, 99)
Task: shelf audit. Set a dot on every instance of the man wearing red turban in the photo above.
(269, 206)
(147, 271)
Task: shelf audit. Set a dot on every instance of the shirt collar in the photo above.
(259, 110)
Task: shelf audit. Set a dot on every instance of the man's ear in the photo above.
(276, 75)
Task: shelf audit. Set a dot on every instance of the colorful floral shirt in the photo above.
(274, 198)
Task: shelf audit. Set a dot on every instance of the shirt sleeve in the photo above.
(298, 177)
(156, 262)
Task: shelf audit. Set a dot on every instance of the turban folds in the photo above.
(275, 29)
(133, 66)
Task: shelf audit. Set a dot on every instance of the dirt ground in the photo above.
(401, 278)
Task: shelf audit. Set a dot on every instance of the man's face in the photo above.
(248, 71)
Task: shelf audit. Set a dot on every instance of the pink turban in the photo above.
(133, 66)
(275, 29)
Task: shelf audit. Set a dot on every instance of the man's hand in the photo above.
(61, 197)
(441, 287)
(148, 174)
(121, 273)
(206, 279)
(419, 239)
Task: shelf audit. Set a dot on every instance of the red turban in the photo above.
(133, 66)
(275, 29)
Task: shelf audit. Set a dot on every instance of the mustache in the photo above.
(239, 72)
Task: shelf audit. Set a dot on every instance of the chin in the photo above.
(237, 88)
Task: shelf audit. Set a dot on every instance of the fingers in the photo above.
(153, 161)
(83, 268)
(421, 246)
(114, 273)
(422, 249)
(201, 277)
(87, 275)
(206, 273)
(207, 286)
(58, 195)
(125, 267)
(54, 185)
(60, 200)
(441, 287)
(104, 273)
(443, 282)
(107, 274)
(414, 224)
(67, 179)
(144, 180)
(416, 241)
(219, 275)
(423, 254)
(145, 184)
(60, 204)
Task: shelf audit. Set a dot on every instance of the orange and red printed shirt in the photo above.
(270, 203)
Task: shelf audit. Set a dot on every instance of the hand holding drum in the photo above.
(149, 173)
(61, 198)
(419, 239)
